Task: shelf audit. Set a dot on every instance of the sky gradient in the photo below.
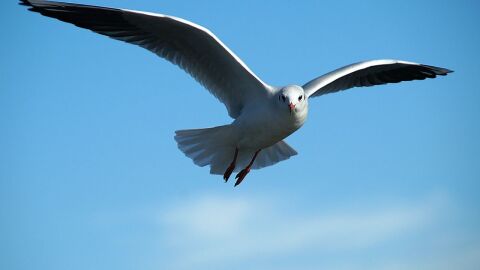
(387, 177)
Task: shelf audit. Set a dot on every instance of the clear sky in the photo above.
(386, 177)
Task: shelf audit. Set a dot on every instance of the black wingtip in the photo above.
(438, 70)
(25, 3)
(444, 71)
(448, 71)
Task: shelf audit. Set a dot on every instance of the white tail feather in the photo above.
(215, 147)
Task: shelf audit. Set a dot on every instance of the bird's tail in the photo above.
(216, 147)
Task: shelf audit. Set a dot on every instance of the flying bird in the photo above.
(263, 115)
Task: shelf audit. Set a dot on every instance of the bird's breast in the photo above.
(260, 129)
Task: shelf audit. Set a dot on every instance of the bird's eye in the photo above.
(300, 98)
(283, 97)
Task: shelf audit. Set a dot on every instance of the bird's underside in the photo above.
(255, 138)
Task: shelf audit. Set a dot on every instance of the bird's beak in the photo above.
(291, 106)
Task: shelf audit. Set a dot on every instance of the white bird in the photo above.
(263, 115)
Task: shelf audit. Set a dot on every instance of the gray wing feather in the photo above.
(371, 73)
(192, 47)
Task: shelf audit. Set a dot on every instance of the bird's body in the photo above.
(264, 124)
(263, 115)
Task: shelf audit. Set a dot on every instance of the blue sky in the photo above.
(386, 177)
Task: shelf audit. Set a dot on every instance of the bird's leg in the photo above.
(241, 175)
(230, 168)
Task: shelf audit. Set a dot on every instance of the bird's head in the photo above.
(292, 99)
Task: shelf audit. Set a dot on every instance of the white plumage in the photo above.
(263, 115)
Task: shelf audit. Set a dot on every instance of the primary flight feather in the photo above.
(263, 115)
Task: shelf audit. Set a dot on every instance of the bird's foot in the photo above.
(241, 175)
(228, 172)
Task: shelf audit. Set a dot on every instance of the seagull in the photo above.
(263, 115)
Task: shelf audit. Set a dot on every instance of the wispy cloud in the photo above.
(212, 229)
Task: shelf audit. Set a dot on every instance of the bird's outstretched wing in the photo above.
(190, 46)
(371, 73)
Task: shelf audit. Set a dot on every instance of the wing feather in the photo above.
(192, 47)
(371, 73)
